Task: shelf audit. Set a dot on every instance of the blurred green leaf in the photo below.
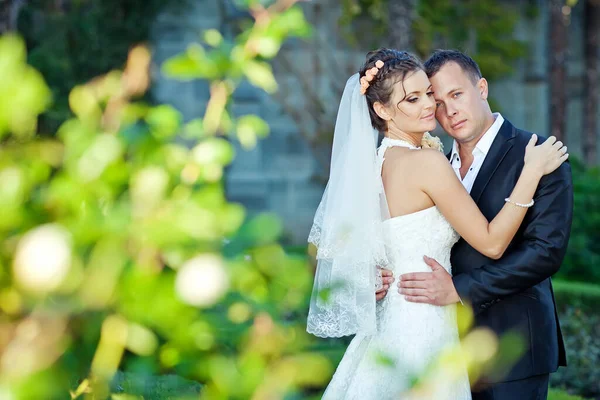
(213, 37)
(193, 64)
(249, 128)
(268, 47)
(293, 23)
(84, 104)
(262, 229)
(23, 91)
(194, 129)
(260, 74)
(164, 121)
(213, 151)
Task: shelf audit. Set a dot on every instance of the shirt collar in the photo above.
(485, 143)
(454, 155)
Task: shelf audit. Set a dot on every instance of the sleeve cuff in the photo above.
(461, 286)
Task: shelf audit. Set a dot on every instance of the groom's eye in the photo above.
(457, 94)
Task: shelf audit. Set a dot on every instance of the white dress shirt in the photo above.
(479, 152)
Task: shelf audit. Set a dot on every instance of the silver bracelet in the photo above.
(530, 204)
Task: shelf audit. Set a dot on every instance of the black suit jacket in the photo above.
(515, 293)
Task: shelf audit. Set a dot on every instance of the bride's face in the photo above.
(412, 107)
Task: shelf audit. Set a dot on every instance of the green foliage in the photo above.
(577, 305)
(577, 294)
(375, 9)
(72, 42)
(372, 12)
(119, 250)
(23, 96)
(580, 330)
(484, 29)
(583, 255)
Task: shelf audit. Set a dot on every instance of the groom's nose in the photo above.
(451, 111)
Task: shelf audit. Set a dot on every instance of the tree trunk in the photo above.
(557, 31)
(9, 14)
(591, 32)
(401, 15)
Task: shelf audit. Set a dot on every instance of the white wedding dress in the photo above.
(410, 336)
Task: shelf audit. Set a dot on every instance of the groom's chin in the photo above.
(461, 135)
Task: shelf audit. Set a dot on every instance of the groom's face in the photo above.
(461, 103)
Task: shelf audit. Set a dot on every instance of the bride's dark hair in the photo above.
(396, 66)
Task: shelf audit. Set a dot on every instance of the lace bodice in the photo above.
(410, 237)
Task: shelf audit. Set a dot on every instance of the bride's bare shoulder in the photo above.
(425, 165)
(433, 156)
(424, 159)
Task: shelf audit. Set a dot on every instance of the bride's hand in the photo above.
(546, 157)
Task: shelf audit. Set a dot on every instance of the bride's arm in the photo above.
(489, 238)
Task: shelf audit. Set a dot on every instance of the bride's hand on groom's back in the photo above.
(387, 278)
(546, 157)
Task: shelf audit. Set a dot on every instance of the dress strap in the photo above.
(386, 143)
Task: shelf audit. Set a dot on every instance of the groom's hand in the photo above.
(434, 287)
(388, 278)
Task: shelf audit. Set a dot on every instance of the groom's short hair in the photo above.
(439, 58)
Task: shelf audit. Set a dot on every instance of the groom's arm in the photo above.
(537, 256)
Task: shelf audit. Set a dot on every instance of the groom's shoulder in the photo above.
(522, 136)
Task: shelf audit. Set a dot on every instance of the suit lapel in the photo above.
(501, 145)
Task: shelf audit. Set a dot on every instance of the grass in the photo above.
(576, 294)
(172, 387)
(579, 289)
(129, 386)
(554, 394)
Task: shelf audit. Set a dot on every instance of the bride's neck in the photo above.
(413, 138)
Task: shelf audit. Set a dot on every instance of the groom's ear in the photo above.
(482, 86)
(381, 111)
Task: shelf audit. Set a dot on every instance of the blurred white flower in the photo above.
(43, 258)
(148, 189)
(202, 281)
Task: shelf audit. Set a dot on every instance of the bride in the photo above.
(389, 206)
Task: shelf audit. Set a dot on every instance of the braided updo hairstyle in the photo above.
(396, 66)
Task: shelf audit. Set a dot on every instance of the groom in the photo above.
(513, 293)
